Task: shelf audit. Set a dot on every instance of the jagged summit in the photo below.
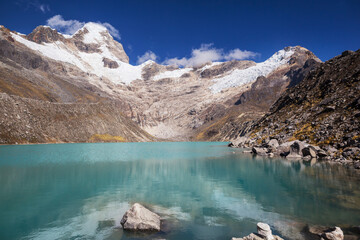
(90, 33)
(45, 34)
(284, 57)
(93, 33)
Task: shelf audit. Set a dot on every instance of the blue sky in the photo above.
(175, 29)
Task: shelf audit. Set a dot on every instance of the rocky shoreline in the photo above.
(140, 219)
(296, 149)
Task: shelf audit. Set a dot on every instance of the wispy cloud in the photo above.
(44, 8)
(149, 55)
(72, 25)
(208, 53)
(33, 4)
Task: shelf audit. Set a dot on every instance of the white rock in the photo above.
(140, 218)
(264, 231)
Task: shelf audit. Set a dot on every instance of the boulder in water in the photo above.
(139, 218)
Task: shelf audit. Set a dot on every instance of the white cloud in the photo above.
(64, 26)
(208, 53)
(149, 55)
(71, 26)
(240, 54)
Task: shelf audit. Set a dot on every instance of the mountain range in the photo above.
(81, 88)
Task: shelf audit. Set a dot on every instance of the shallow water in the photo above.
(202, 191)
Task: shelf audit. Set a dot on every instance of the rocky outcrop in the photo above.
(138, 218)
(109, 63)
(44, 34)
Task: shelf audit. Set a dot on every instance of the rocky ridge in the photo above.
(323, 110)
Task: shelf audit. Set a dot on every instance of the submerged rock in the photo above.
(140, 218)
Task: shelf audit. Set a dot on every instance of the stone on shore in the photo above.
(309, 151)
(284, 149)
(273, 144)
(296, 150)
(139, 218)
(259, 151)
(321, 153)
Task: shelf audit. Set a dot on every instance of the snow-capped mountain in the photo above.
(166, 101)
(93, 50)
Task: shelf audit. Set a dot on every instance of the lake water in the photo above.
(201, 190)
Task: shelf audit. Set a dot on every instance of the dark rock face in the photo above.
(296, 75)
(110, 63)
(43, 34)
(323, 109)
(225, 67)
(88, 48)
(24, 58)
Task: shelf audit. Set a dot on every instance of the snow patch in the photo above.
(87, 62)
(57, 51)
(172, 74)
(94, 33)
(207, 66)
(239, 77)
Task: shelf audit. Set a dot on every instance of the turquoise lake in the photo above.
(202, 190)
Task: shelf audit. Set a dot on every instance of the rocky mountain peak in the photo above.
(45, 34)
(92, 33)
(94, 37)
